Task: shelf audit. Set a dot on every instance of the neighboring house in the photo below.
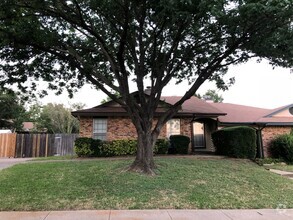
(196, 119)
(268, 122)
(5, 131)
(28, 126)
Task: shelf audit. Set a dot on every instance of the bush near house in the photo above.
(88, 147)
(282, 147)
(161, 146)
(179, 144)
(118, 148)
(237, 142)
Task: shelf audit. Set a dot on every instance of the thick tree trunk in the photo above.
(144, 161)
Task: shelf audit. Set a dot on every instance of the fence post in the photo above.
(7, 145)
(46, 151)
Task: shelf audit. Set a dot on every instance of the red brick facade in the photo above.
(122, 128)
(269, 133)
(86, 127)
(185, 126)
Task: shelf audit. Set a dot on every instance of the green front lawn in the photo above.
(55, 158)
(185, 183)
(281, 167)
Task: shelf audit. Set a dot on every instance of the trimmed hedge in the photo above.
(282, 147)
(161, 146)
(88, 147)
(119, 148)
(237, 142)
(179, 144)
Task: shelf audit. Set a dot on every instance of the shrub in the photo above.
(161, 146)
(119, 148)
(237, 142)
(282, 147)
(87, 147)
(179, 143)
(268, 160)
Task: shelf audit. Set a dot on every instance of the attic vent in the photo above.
(291, 110)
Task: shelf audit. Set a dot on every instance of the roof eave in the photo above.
(256, 123)
(110, 114)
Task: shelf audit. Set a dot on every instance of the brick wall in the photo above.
(185, 129)
(269, 133)
(120, 128)
(117, 128)
(185, 126)
(86, 127)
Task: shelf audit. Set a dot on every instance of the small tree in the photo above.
(107, 99)
(111, 43)
(211, 95)
(12, 112)
(55, 118)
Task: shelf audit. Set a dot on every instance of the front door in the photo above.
(198, 135)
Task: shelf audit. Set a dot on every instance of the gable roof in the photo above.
(278, 110)
(194, 105)
(241, 114)
(191, 107)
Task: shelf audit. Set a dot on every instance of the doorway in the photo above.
(198, 135)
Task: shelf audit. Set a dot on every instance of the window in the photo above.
(173, 127)
(100, 129)
(198, 135)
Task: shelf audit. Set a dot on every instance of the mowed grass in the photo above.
(181, 183)
(288, 168)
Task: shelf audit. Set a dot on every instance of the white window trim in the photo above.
(172, 131)
(104, 132)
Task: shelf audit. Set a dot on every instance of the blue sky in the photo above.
(257, 84)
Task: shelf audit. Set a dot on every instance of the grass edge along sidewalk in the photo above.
(252, 214)
(181, 183)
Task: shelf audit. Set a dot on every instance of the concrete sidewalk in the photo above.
(252, 214)
(8, 162)
(283, 173)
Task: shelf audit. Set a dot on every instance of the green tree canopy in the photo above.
(12, 112)
(55, 118)
(212, 95)
(111, 43)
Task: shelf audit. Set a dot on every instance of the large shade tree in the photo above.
(111, 43)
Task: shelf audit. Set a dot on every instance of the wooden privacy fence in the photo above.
(7, 145)
(39, 145)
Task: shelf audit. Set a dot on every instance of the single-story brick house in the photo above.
(196, 119)
(268, 122)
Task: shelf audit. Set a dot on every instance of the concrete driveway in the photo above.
(8, 162)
